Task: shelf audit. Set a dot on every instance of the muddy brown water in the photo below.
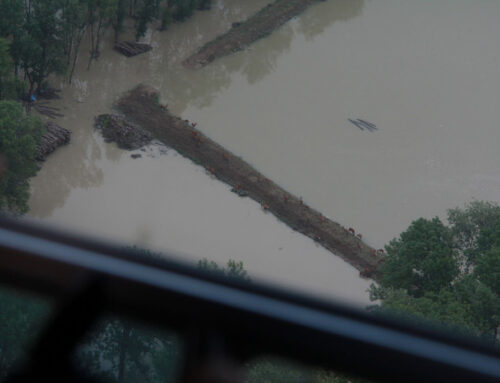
(426, 73)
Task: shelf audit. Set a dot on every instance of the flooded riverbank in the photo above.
(140, 106)
(425, 73)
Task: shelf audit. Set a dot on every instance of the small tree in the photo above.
(19, 135)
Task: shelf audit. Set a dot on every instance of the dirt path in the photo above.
(243, 34)
(141, 107)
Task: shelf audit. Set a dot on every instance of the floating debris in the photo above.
(356, 124)
(129, 48)
(362, 124)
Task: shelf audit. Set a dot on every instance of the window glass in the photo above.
(22, 317)
(120, 350)
(347, 149)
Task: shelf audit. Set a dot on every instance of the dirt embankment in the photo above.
(140, 105)
(243, 34)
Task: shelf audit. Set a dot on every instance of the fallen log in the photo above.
(129, 48)
(53, 137)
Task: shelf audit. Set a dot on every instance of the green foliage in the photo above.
(166, 18)
(275, 370)
(19, 135)
(12, 12)
(38, 48)
(21, 317)
(422, 259)
(204, 4)
(447, 275)
(10, 87)
(147, 12)
(271, 370)
(183, 9)
(233, 269)
(123, 351)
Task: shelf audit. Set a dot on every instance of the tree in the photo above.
(73, 22)
(12, 12)
(128, 352)
(467, 223)
(148, 11)
(38, 48)
(19, 135)
(100, 16)
(234, 270)
(21, 317)
(447, 275)
(119, 17)
(422, 259)
(10, 86)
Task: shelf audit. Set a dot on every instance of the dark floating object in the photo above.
(129, 48)
(362, 124)
(355, 124)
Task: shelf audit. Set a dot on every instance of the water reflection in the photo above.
(199, 88)
(311, 24)
(73, 166)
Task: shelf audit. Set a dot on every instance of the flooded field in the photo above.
(426, 73)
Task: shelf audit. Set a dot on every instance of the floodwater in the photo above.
(426, 73)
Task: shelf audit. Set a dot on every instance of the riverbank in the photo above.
(244, 33)
(140, 105)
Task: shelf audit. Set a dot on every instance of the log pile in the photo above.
(129, 48)
(43, 108)
(117, 129)
(53, 137)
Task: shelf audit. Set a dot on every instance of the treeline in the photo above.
(446, 274)
(45, 36)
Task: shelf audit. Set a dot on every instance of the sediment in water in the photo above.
(244, 33)
(140, 106)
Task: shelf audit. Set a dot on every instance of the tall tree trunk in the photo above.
(91, 45)
(76, 50)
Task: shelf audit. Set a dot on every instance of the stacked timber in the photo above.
(53, 137)
(129, 48)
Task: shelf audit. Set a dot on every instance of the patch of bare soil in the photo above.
(140, 106)
(244, 33)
